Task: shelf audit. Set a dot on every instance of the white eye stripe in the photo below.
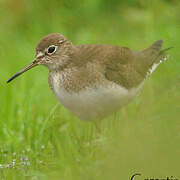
(40, 54)
(61, 41)
(52, 46)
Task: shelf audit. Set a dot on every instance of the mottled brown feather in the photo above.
(117, 63)
(121, 65)
(88, 65)
(48, 40)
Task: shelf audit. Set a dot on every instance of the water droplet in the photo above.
(24, 158)
(28, 163)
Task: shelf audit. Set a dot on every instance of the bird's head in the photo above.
(52, 51)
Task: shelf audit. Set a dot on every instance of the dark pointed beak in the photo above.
(26, 68)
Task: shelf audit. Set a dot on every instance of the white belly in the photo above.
(91, 104)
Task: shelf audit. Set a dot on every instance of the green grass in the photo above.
(40, 139)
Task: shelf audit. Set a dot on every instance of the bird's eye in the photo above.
(51, 49)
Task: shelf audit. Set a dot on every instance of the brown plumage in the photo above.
(93, 81)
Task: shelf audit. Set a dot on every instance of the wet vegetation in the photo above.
(40, 139)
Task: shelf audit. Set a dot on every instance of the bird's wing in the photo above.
(121, 68)
(118, 63)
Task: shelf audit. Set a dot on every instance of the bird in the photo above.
(94, 80)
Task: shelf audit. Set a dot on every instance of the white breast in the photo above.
(92, 103)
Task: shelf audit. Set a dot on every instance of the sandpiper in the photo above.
(93, 81)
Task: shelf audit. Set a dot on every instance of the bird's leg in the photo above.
(124, 112)
(97, 125)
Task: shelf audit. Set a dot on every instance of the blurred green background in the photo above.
(39, 139)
